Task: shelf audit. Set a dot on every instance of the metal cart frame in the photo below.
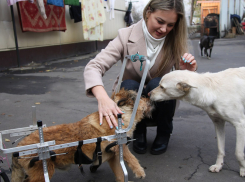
(43, 148)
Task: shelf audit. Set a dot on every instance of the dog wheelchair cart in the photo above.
(44, 149)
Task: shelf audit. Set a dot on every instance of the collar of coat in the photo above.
(136, 43)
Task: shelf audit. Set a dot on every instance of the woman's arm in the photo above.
(96, 68)
(93, 73)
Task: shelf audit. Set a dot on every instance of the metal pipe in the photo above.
(41, 138)
(121, 75)
(125, 172)
(34, 116)
(228, 15)
(15, 36)
(136, 104)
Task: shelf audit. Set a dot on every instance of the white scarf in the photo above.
(153, 46)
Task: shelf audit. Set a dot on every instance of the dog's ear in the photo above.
(183, 86)
(122, 102)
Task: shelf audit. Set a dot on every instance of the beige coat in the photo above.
(129, 41)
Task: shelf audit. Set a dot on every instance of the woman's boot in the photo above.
(160, 144)
(164, 116)
(140, 144)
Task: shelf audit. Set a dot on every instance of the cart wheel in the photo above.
(93, 169)
(4, 176)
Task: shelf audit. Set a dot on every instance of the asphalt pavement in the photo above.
(57, 90)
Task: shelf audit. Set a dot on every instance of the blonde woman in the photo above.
(161, 36)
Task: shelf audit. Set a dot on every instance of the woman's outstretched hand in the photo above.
(107, 107)
(188, 62)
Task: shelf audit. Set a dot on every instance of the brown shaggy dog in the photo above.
(87, 128)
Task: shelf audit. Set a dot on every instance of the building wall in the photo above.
(209, 7)
(224, 15)
(73, 34)
(229, 7)
(40, 47)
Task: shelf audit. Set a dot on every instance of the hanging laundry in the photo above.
(93, 17)
(76, 13)
(11, 2)
(72, 2)
(128, 18)
(40, 5)
(130, 6)
(110, 4)
(32, 20)
(59, 3)
(107, 6)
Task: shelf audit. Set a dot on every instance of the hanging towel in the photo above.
(128, 18)
(110, 4)
(72, 2)
(76, 13)
(93, 17)
(32, 20)
(11, 2)
(40, 5)
(59, 3)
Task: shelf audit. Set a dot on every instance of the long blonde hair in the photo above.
(175, 44)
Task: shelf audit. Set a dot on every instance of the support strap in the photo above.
(97, 152)
(80, 158)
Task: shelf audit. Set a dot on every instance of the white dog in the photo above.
(221, 95)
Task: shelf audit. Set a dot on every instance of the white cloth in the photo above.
(154, 46)
(110, 4)
(93, 17)
(41, 7)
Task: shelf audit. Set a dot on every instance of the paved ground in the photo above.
(57, 90)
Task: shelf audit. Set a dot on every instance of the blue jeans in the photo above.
(163, 113)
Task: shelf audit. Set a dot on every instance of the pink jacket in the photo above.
(129, 41)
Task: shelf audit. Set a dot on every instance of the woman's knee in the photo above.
(130, 85)
(166, 107)
(152, 84)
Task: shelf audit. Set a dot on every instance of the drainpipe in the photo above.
(228, 14)
(220, 14)
(235, 7)
(240, 8)
(15, 36)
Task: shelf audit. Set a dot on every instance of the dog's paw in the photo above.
(215, 168)
(140, 173)
(242, 172)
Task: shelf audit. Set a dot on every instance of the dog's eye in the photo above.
(122, 102)
(161, 87)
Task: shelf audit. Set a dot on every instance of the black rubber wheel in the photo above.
(4, 176)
